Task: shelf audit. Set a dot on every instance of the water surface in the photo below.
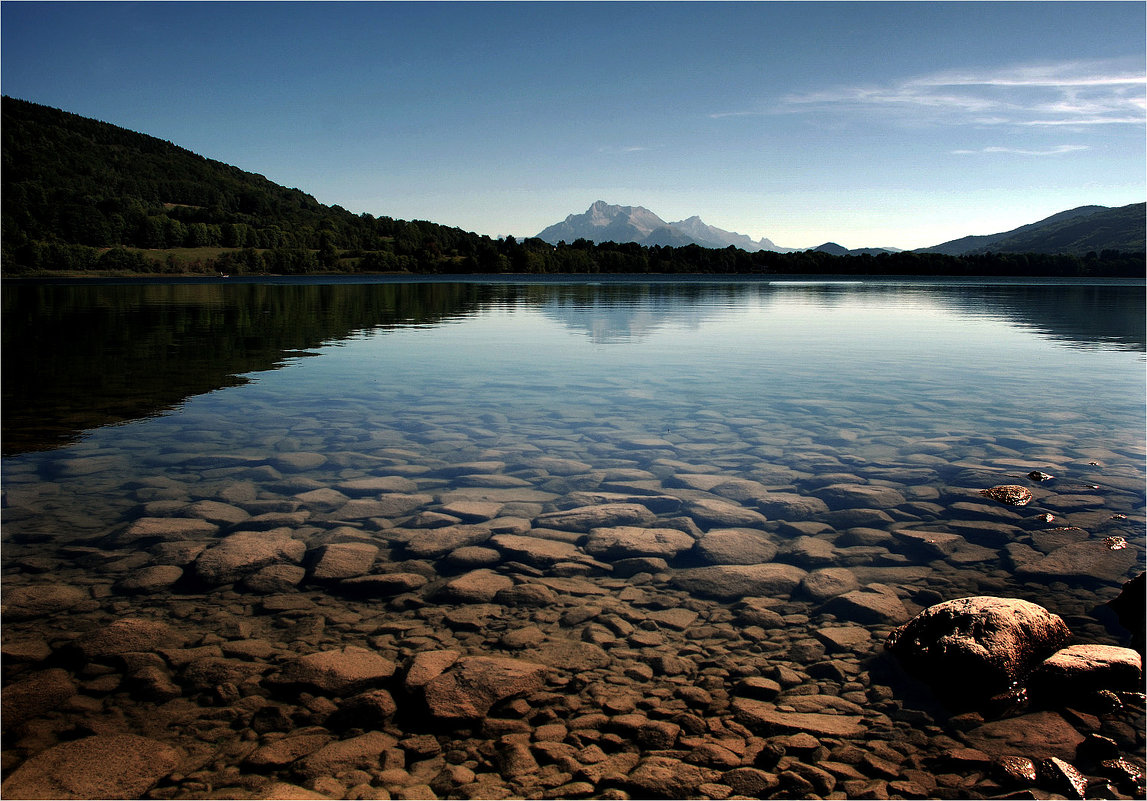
(125, 401)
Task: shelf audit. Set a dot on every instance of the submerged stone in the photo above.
(101, 766)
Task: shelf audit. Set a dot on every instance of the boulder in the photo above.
(472, 685)
(342, 560)
(245, 552)
(667, 777)
(156, 578)
(859, 496)
(791, 507)
(714, 513)
(336, 672)
(1090, 561)
(382, 584)
(123, 636)
(875, 604)
(167, 529)
(1036, 735)
(477, 586)
(274, 579)
(1079, 669)
(357, 487)
(102, 766)
(1131, 608)
(735, 546)
(622, 542)
(809, 552)
(587, 518)
(357, 753)
(764, 716)
(828, 582)
(980, 645)
(536, 550)
(223, 514)
(35, 695)
(426, 666)
(38, 600)
(432, 543)
(277, 753)
(732, 582)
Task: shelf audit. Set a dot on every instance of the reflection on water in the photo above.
(77, 357)
(700, 508)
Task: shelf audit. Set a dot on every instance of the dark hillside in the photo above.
(1077, 231)
(84, 196)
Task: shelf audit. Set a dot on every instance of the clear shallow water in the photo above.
(127, 401)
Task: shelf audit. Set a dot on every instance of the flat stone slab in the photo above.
(102, 766)
(622, 542)
(1091, 560)
(1039, 735)
(845, 638)
(731, 582)
(587, 518)
(765, 715)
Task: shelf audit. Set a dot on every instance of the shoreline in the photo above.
(580, 278)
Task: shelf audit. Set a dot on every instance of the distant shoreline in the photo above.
(578, 278)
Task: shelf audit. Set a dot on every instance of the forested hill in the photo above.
(85, 196)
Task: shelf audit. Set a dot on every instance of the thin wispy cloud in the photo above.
(1070, 93)
(1059, 150)
(621, 149)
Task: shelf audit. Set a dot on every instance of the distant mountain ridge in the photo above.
(603, 222)
(1076, 231)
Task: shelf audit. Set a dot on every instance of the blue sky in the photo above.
(869, 124)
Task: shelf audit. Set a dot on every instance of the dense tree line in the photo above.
(81, 195)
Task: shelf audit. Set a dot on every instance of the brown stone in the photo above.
(102, 766)
(472, 685)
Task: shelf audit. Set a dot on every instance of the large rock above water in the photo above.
(732, 582)
(103, 766)
(1081, 668)
(472, 685)
(979, 645)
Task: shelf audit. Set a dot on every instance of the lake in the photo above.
(234, 510)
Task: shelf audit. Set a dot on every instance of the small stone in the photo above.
(1014, 771)
(1062, 777)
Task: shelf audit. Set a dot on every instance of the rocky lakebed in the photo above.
(446, 610)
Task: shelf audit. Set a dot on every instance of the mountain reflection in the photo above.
(76, 357)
